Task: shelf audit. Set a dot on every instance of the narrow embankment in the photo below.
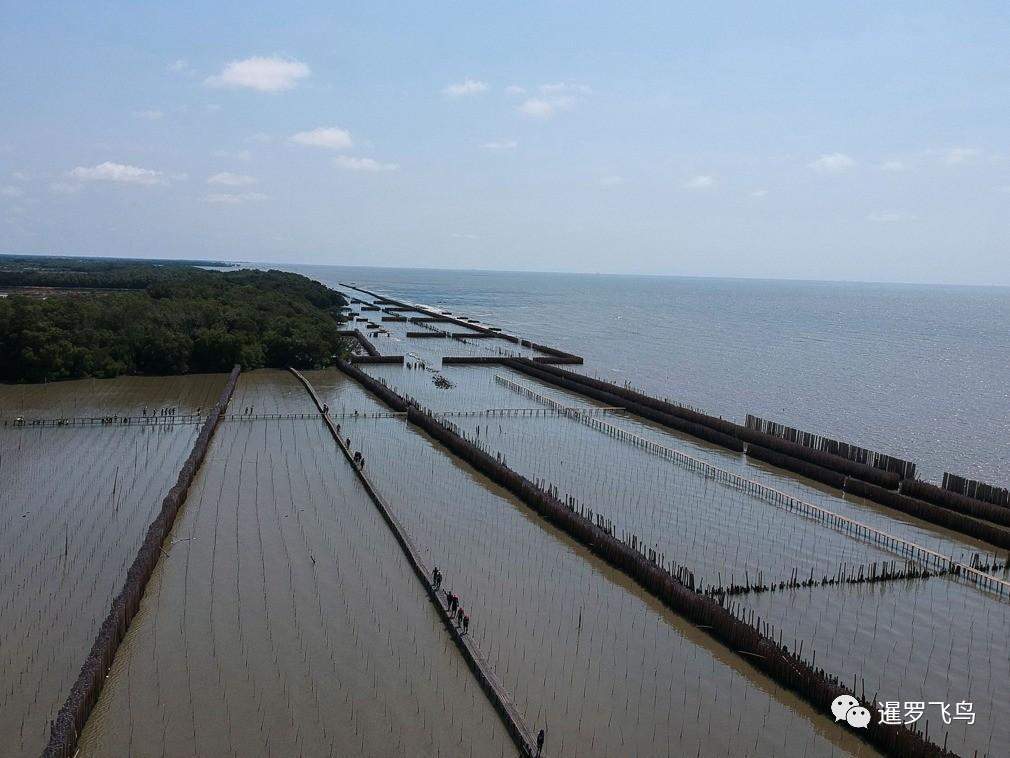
(70, 720)
(503, 703)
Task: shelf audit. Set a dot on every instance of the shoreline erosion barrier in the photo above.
(988, 493)
(975, 509)
(361, 338)
(975, 572)
(746, 638)
(66, 728)
(522, 736)
(882, 487)
(552, 354)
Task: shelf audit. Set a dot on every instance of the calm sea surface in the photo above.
(922, 372)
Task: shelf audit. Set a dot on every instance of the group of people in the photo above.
(164, 411)
(247, 411)
(456, 612)
(463, 621)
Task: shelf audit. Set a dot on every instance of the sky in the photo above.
(852, 140)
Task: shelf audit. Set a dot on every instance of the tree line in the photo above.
(166, 319)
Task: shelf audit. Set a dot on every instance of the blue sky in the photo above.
(861, 141)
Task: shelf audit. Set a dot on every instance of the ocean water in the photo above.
(921, 372)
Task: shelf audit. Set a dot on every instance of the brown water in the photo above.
(588, 656)
(285, 620)
(910, 641)
(75, 503)
(938, 640)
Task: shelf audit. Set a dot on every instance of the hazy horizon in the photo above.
(477, 270)
(846, 142)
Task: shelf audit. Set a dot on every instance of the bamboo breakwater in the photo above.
(881, 461)
(66, 728)
(377, 359)
(930, 559)
(522, 735)
(854, 478)
(427, 335)
(728, 625)
(998, 514)
(837, 464)
(362, 340)
(552, 355)
(975, 489)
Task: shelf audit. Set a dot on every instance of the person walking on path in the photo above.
(540, 743)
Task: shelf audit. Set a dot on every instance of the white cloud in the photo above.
(21, 176)
(958, 155)
(1004, 189)
(273, 74)
(117, 172)
(362, 164)
(832, 163)
(329, 137)
(179, 67)
(893, 166)
(515, 89)
(612, 181)
(224, 198)
(890, 217)
(259, 138)
(505, 144)
(150, 114)
(701, 181)
(465, 88)
(11, 191)
(552, 99)
(227, 179)
(759, 193)
(545, 107)
(459, 236)
(563, 88)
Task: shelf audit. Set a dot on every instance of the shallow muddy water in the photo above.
(284, 620)
(602, 666)
(75, 503)
(122, 396)
(931, 641)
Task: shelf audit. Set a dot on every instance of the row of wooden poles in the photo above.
(934, 562)
(520, 732)
(709, 613)
(982, 521)
(973, 498)
(66, 728)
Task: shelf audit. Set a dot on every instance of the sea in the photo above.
(921, 372)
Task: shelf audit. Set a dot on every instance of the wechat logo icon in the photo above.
(847, 708)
